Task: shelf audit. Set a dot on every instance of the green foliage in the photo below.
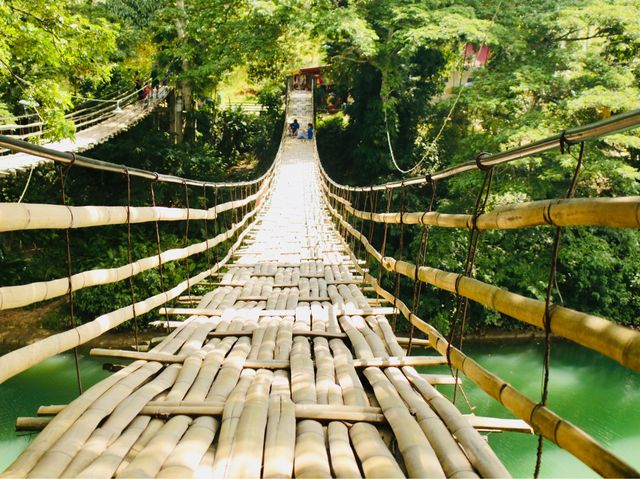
(47, 51)
(553, 65)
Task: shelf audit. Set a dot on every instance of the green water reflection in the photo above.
(50, 382)
(591, 391)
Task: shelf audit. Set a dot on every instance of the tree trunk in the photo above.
(184, 85)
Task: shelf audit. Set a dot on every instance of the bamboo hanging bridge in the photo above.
(98, 121)
(284, 367)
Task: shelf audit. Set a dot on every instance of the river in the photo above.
(592, 391)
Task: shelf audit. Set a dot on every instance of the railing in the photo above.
(604, 336)
(245, 200)
(99, 110)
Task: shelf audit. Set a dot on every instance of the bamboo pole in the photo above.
(150, 460)
(186, 457)
(72, 435)
(302, 364)
(118, 420)
(231, 370)
(303, 387)
(23, 295)
(150, 431)
(375, 458)
(273, 312)
(343, 462)
(281, 431)
(621, 212)
(419, 457)
(610, 339)
(231, 416)
(41, 444)
(311, 459)
(104, 466)
(453, 460)
(246, 460)
(29, 216)
(21, 359)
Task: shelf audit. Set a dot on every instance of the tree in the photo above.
(47, 51)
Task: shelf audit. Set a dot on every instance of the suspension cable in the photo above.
(159, 249)
(63, 171)
(462, 305)
(548, 306)
(396, 290)
(130, 258)
(420, 257)
(186, 238)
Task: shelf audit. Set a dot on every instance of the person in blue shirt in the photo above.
(294, 127)
(310, 132)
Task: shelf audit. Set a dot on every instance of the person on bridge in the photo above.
(146, 94)
(294, 127)
(310, 132)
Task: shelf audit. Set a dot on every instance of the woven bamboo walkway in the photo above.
(300, 375)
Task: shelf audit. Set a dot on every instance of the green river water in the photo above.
(591, 391)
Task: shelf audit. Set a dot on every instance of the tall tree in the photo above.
(47, 51)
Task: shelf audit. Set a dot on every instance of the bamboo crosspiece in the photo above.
(281, 366)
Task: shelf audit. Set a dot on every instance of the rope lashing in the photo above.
(158, 247)
(63, 171)
(130, 258)
(548, 306)
(420, 257)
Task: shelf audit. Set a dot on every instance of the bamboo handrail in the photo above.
(623, 212)
(542, 419)
(27, 216)
(83, 161)
(606, 337)
(23, 358)
(23, 295)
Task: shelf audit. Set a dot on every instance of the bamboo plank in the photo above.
(419, 457)
(311, 459)
(498, 424)
(149, 461)
(281, 430)
(274, 312)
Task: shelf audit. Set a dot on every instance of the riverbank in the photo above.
(21, 327)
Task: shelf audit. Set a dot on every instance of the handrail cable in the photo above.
(86, 162)
(571, 136)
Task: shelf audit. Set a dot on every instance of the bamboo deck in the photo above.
(319, 387)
